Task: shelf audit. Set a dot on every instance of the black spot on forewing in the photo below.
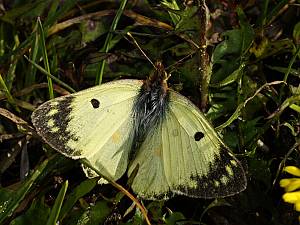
(95, 103)
(226, 177)
(56, 134)
(198, 136)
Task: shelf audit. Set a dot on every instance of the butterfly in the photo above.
(132, 125)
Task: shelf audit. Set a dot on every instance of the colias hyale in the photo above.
(123, 124)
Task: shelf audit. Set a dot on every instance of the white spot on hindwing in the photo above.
(233, 162)
(216, 183)
(224, 179)
(229, 170)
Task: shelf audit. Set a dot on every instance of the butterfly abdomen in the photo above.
(150, 106)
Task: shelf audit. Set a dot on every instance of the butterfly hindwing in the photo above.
(94, 124)
(204, 167)
(151, 182)
(184, 155)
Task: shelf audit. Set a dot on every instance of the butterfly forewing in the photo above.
(94, 124)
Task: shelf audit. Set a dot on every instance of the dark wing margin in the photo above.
(51, 121)
(226, 177)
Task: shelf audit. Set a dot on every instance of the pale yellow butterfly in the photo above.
(126, 124)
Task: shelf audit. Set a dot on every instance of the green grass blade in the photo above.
(11, 74)
(51, 17)
(7, 93)
(295, 107)
(82, 189)
(106, 47)
(45, 56)
(58, 204)
(291, 102)
(50, 75)
(291, 63)
(264, 14)
(275, 11)
(2, 39)
(174, 6)
(31, 74)
(233, 77)
(237, 112)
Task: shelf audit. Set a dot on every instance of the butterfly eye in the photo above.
(198, 136)
(95, 103)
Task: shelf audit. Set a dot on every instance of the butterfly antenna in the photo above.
(182, 60)
(137, 45)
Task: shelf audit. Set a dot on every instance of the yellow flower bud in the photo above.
(292, 170)
(284, 183)
(291, 197)
(297, 206)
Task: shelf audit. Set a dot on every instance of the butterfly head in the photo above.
(158, 78)
(160, 71)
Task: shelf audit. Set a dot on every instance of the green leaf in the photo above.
(137, 219)
(236, 41)
(232, 44)
(174, 6)
(79, 191)
(266, 48)
(155, 209)
(10, 200)
(287, 103)
(247, 31)
(295, 90)
(91, 30)
(296, 33)
(188, 20)
(95, 214)
(261, 171)
(37, 214)
(295, 107)
(174, 218)
(223, 102)
(30, 10)
(230, 78)
(291, 128)
(294, 72)
(215, 203)
(99, 212)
